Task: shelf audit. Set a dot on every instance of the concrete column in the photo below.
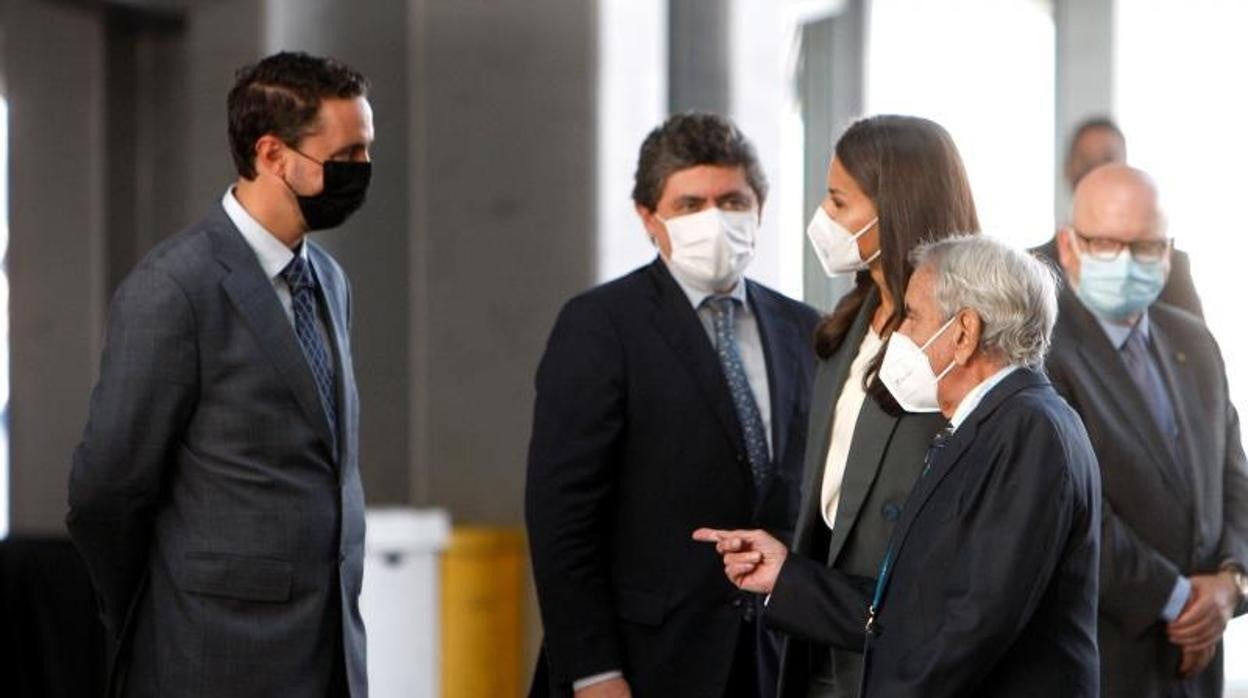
(506, 93)
(699, 52)
(55, 63)
(373, 245)
(831, 82)
(1085, 76)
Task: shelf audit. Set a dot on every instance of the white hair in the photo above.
(1014, 293)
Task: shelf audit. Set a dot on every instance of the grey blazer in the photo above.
(883, 464)
(1161, 518)
(223, 534)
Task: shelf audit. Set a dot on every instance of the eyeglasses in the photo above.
(1109, 248)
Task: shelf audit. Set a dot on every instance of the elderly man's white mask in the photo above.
(907, 372)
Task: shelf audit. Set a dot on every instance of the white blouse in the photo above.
(844, 419)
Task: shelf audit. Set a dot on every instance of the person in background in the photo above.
(667, 398)
(1150, 384)
(893, 182)
(987, 586)
(1097, 141)
(216, 495)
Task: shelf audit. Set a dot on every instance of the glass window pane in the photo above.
(1181, 99)
(983, 69)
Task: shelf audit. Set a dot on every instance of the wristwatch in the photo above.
(1239, 578)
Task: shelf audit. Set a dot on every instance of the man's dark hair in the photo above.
(1092, 123)
(689, 140)
(281, 95)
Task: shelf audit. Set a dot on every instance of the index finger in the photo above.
(708, 535)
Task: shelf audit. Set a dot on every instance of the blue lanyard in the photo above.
(886, 565)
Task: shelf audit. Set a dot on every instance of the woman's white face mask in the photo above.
(835, 246)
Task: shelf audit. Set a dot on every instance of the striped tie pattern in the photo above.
(302, 282)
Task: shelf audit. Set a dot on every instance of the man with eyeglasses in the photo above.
(1150, 384)
(1096, 141)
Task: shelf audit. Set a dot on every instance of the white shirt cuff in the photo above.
(1178, 599)
(596, 678)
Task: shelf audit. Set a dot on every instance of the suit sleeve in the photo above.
(1014, 533)
(820, 604)
(578, 423)
(1233, 547)
(1136, 580)
(140, 405)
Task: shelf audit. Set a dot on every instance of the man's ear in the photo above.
(652, 224)
(1067, 253)
(270, 153)
(970, 328)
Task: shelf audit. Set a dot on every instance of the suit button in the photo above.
(740, 458)
(737, 601)
(890, 511)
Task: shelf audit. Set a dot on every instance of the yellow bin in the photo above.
(482, 594)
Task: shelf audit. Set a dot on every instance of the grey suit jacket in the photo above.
(1161, 518)
(223, 534)
(883, 464)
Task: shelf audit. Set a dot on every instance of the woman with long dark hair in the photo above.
(894, 182)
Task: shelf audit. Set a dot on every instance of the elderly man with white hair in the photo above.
(989, 584)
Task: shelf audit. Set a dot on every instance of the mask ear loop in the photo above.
(863, 231)
(931, 339)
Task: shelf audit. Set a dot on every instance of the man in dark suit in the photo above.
(988, 584)
(673, 396)
(1150, 384)
(1098, 141)
(216, 493)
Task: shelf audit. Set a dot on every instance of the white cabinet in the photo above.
(401, 600)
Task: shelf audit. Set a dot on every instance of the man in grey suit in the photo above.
(216, 493)
(1150, 384)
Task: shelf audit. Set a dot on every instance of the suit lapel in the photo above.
(335, 306)
(252, 295)
(781, 341)
(872, 433)
(829, 379)
(1107, 369)
(946, 459)
(1181, 385)
(680, 327)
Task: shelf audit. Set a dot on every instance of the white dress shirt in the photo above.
(976, 396)
(844, 421)
(273, 255)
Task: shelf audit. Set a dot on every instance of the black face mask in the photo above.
(345, 188)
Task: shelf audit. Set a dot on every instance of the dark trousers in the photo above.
(756, 663)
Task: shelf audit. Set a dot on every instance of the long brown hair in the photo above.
(910, 168)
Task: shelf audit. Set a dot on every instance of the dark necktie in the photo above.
(751, 421)
(1144, 373)
(302, 282)
(939, 439)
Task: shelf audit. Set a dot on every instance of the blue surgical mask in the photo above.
(1120, 287)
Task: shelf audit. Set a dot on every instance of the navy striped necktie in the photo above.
(301, 279)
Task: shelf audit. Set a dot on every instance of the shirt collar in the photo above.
(272, 253)
(973, 398)
(698, 297)
(1118, 333)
